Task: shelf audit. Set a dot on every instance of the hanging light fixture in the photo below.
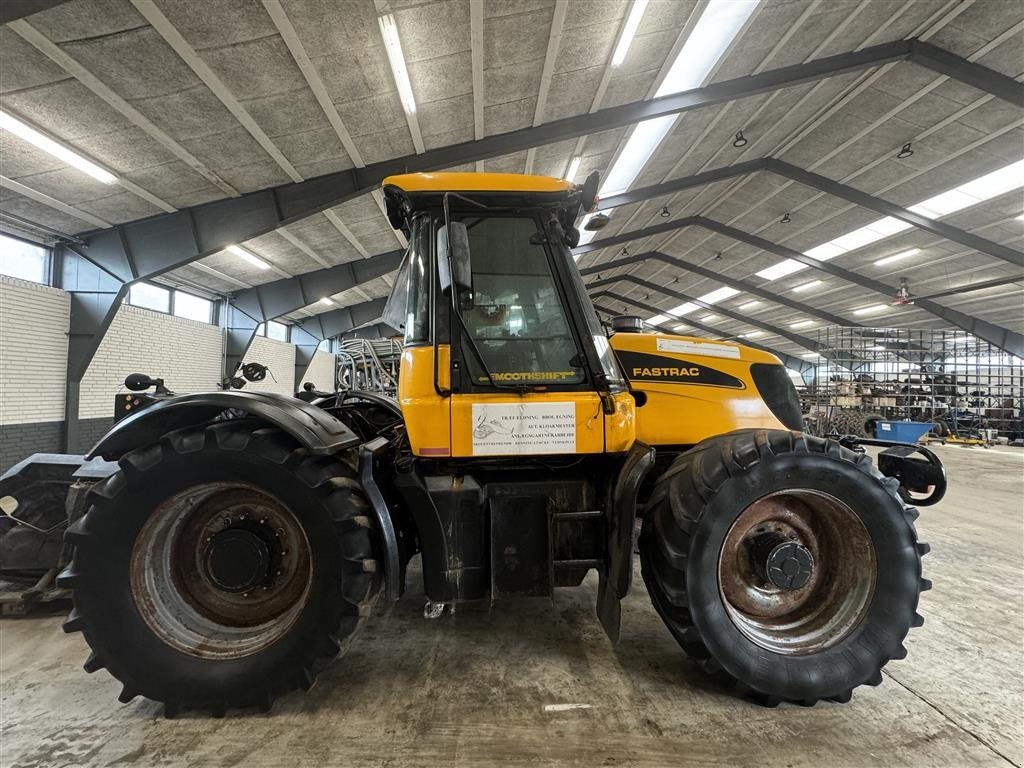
(785, 218)
(740, 140)
(905, 152)
(665, 212)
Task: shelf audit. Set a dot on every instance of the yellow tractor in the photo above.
(241, 537)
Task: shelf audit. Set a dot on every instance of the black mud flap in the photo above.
(617, 573)
(371, 454)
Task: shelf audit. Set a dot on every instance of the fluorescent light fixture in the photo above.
(713, 33)
(24, 131)
(634, 156)
(680, 328)
(897, 256)
(998, 182)
(720, 22)
(709, 318)
(802, 324)
(327, 301)
(393, 46)
(749, 305)
(1021, 217)
(809, 355)
(807, 286)
(657, 319)
(636, 13)
(751, 335)
(252, 258)
(574, 167)
(877, 348)
(871, 310)
(719, 294)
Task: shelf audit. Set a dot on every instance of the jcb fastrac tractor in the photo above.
(241, 538)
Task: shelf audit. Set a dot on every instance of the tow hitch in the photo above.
(916, 475)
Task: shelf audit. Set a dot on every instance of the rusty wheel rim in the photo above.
(221, 570)
(796, 572)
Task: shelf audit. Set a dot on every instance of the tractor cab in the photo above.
(504, 353)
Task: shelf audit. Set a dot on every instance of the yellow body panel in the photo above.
(442, 426)
(427, 414)
(694, 388)
(476, 182)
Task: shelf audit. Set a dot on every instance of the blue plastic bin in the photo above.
(902, 431)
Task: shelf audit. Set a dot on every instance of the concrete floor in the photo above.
(471, 689)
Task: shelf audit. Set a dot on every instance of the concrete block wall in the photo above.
(279, 357)
(187, 354)
(320, 372)
(33, 368)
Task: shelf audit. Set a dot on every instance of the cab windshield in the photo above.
(515, 315)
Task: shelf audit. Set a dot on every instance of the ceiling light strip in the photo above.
(41, 141)
(636, 13)
(970, 193)
(715, 30)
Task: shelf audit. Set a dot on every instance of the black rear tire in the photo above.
(149, 641)
(685, 545)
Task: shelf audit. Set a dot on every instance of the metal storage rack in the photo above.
(964, 385)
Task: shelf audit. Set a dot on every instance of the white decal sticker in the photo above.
(708, 348)
(509, 429)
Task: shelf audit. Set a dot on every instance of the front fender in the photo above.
(314, 428)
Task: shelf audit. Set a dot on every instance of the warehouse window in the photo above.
(28, 261)
(277, 331)
(149, 296)
(192, 307)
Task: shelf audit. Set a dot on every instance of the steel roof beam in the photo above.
(822, 184)
(262, 303)
(983, 78)
(801, 366)
(1005, 339)
(308, 334)
(732, 282)
(147, 248)
(877, 204)
(796, 338)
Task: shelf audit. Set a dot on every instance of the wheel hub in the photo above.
(796, 571)
(237, 560)
(789, 566)
(221, 570)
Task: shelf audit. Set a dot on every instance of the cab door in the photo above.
(519, 382)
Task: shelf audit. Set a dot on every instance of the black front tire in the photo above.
(341, 580)
(689, 517)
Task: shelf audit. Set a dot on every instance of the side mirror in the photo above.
(453, 258)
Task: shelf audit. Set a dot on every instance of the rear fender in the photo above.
(314, 428)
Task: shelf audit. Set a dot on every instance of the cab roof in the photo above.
(411, 183)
